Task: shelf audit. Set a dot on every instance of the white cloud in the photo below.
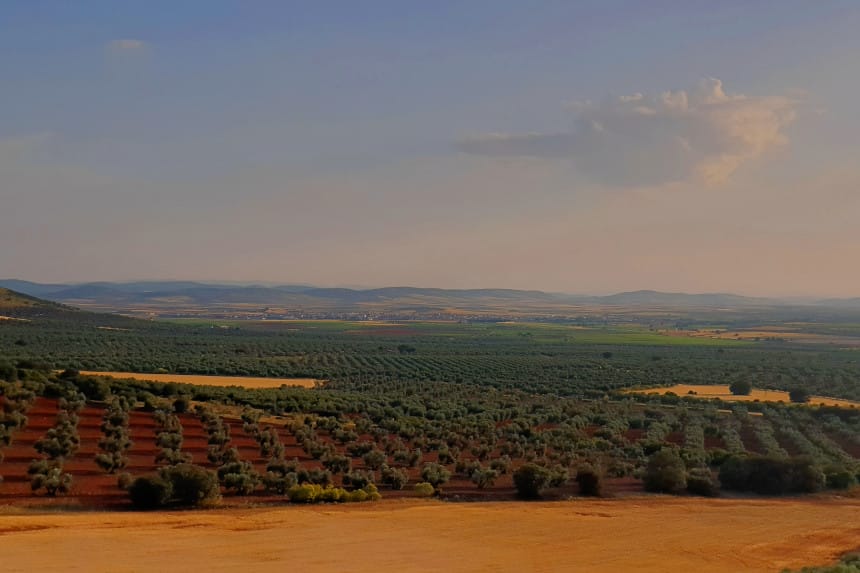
(704, 133)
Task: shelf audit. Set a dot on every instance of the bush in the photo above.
(182, 484)
(305, 493)
(799, 395)
(838, 477)
(700, 481)
(435, 474)
(315, 493)
(484, 477)
(149, 492)
(741, 388)
(181, 405)
(374, 459)
(54, 481)
(337, 463)
(357, 479)
(239, 477)
(666, 472)
(394, 477)
(124, 480)
(93, 388)
(771, 476)
(590, 481)
(530, 480)
(424, 489)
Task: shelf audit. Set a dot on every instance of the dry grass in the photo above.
(647, 534)
(722, 392)
(244, 381)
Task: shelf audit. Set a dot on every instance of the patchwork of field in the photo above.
(595, 536)
(757, 395)
(771, 334)
(243, 381)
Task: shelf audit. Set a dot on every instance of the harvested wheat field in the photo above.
(243, 381)
(722, 392)
(643, 534)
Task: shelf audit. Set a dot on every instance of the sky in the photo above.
(581, 147)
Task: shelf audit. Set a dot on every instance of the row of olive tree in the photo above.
(17, 400)
(115, 442)
(57, 445)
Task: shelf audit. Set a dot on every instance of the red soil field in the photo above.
(93, 488)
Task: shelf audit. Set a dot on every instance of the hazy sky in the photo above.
(569, 146)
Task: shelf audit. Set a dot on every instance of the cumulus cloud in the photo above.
(126, 45)
(702, 133)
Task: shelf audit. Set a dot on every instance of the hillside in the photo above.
(14, 303)
(254, 301)
(163, 295)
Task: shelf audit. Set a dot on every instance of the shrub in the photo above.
(279, 483)
(666, 472)
(700, 481)
(357, 479)
(337, 463)
(181, 405)
(435, 474)
(374, 459)
(408, 458)
(93, 388)
(424, 489)
(239, 477)
(558, 476)
(317, 476)
(590, 481)
(717, 456)
(190, 484)
(530, 480)
(484, 477)
(394, 477)
(304, 493)
(799, 395)
(149, 492)
(741, 388)
(54, 481)
(838, 477)
(771, 476)
(124, 480)
(315, 493)
(501, 465)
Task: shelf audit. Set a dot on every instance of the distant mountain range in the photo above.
(184, 294)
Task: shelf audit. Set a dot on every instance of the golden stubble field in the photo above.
(649, 534)
(243, 381)
(722, 392)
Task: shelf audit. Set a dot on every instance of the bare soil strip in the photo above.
(653, 534)
(243, 381)
(722, 392)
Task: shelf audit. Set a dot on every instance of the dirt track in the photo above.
(642, 534)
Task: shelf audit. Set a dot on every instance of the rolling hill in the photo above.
(189, 297)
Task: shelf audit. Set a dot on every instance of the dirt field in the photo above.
(722, 392)
(777, 333)
(647, 534)
(244, 381)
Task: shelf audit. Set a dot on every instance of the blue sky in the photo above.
(400, 142)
